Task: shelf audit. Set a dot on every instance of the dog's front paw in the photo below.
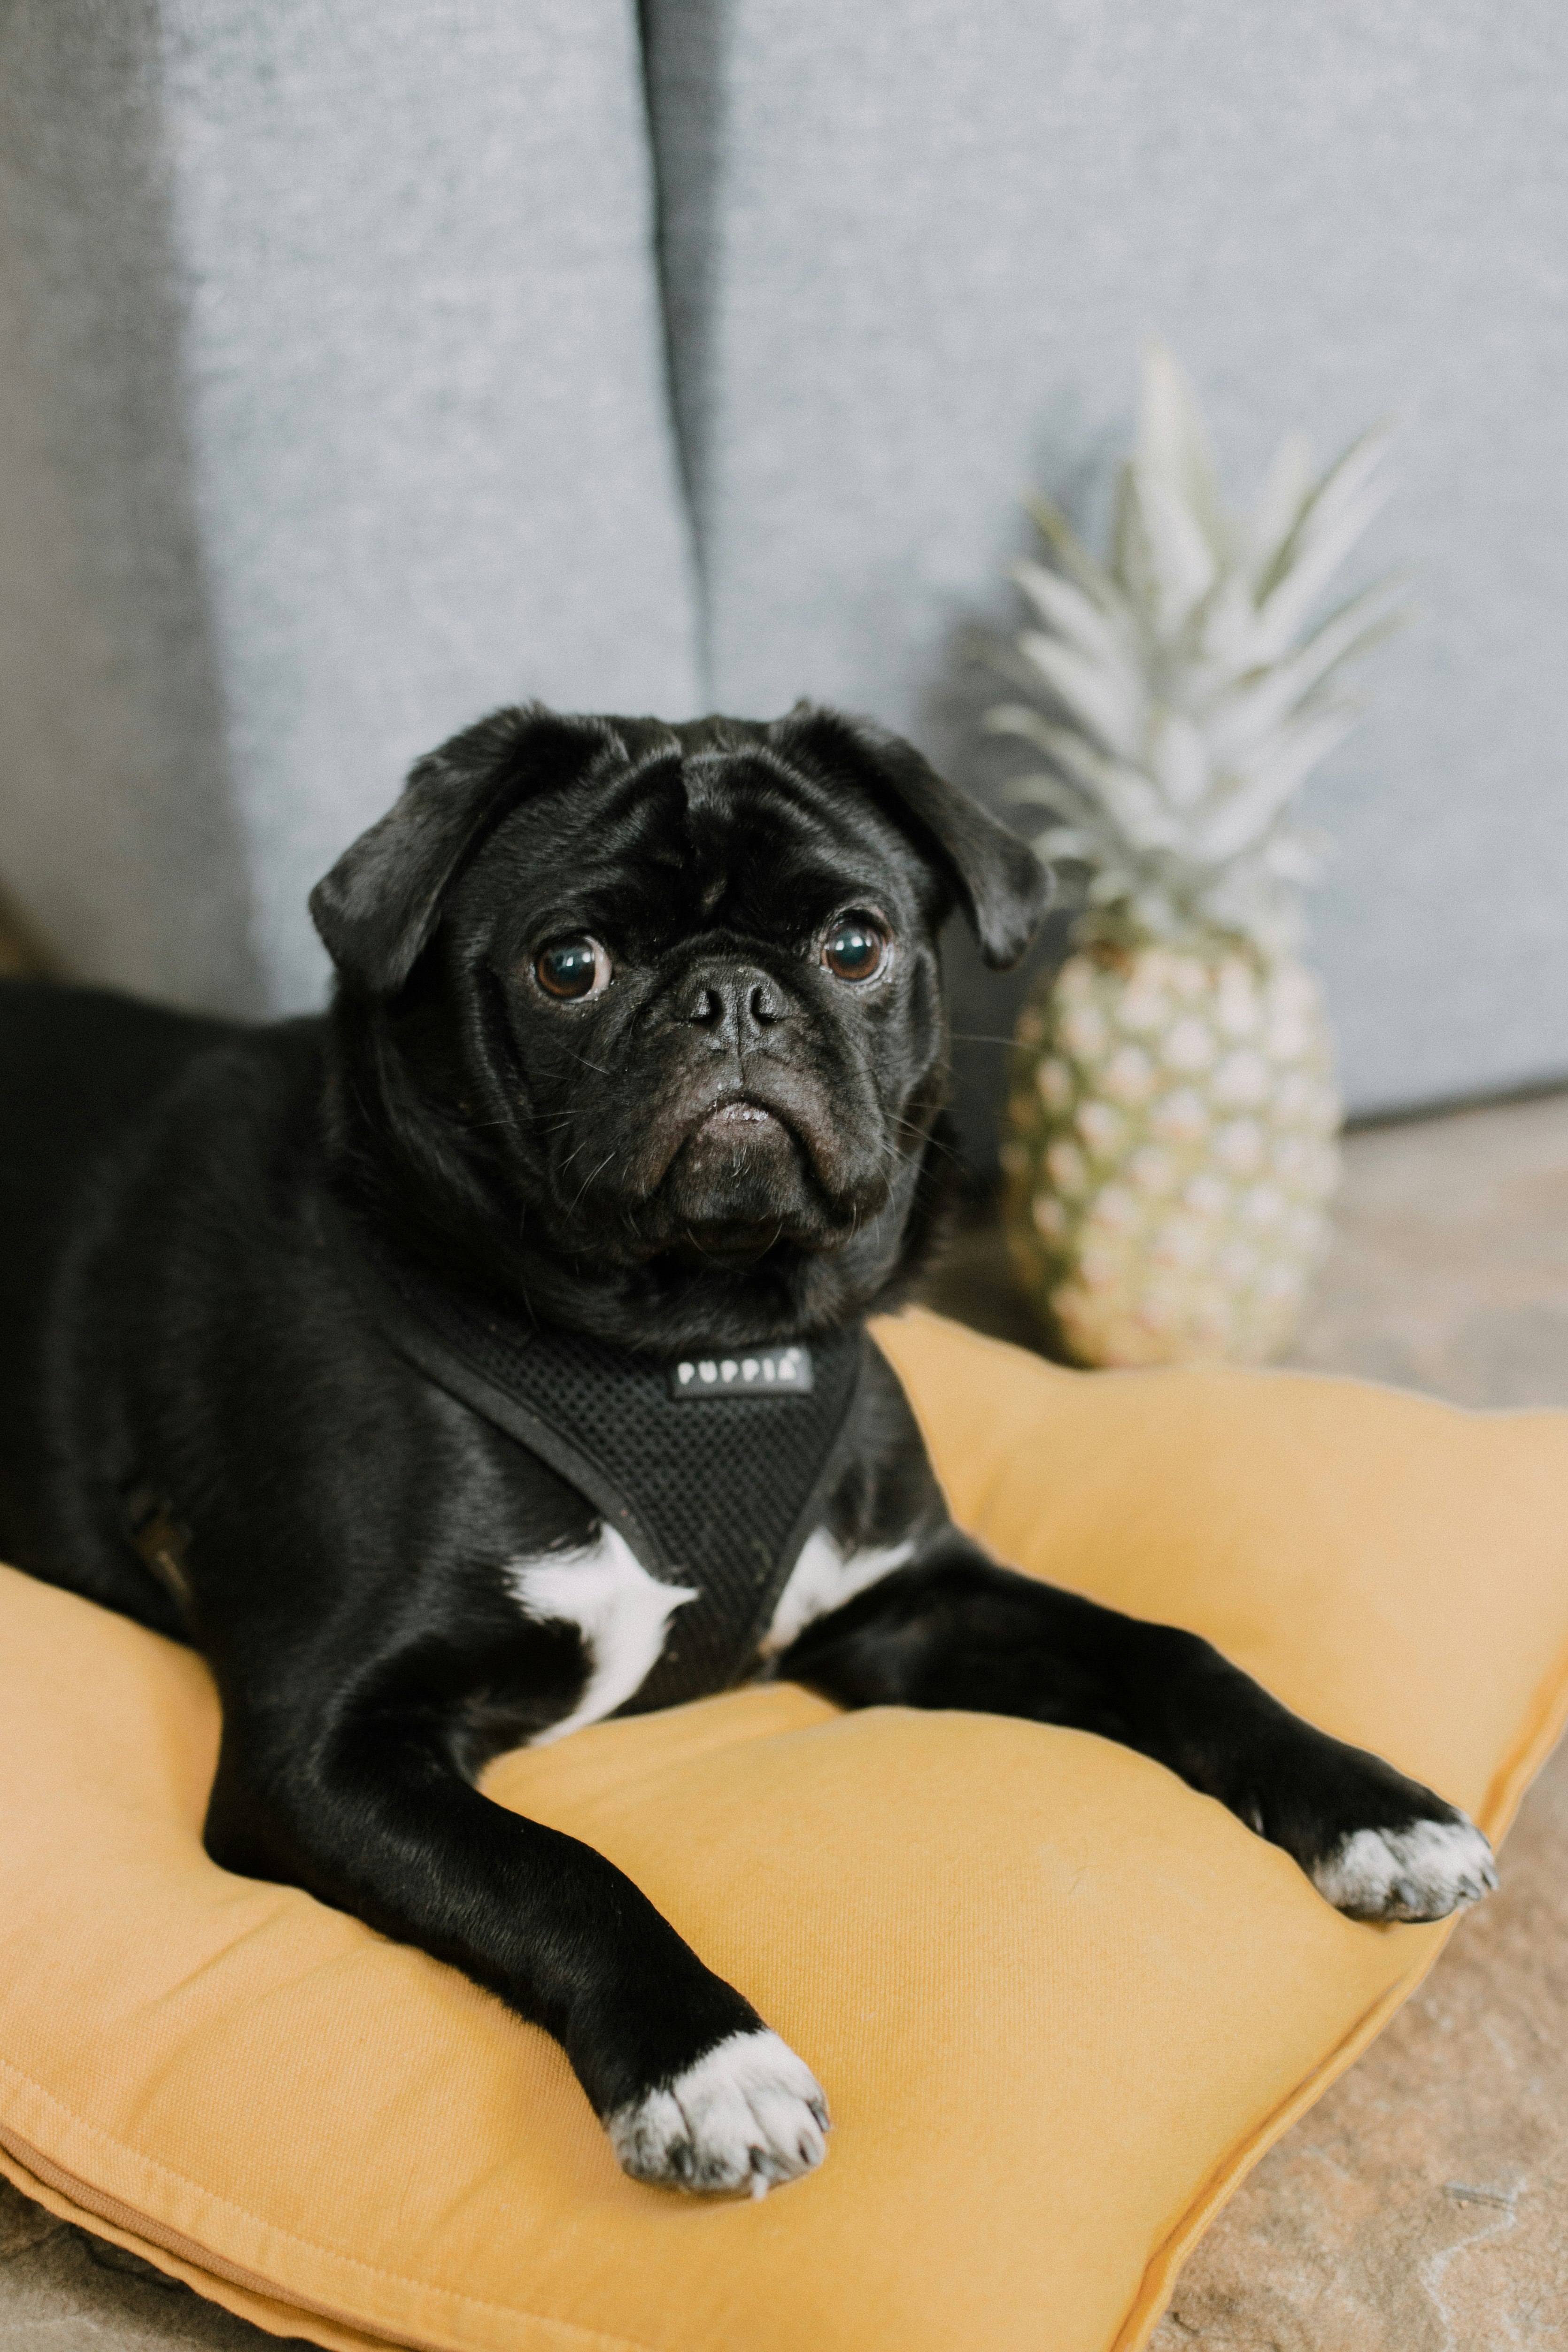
(1423, 1870)
(749, 2114)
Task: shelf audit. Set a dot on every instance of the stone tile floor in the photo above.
(1422, 2206)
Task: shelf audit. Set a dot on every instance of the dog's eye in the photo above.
(855, 946)
(568, 968)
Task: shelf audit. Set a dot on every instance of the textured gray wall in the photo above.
(117, 828)
(352, 311)
(911, 263)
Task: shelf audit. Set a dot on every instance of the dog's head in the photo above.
(660, 1007)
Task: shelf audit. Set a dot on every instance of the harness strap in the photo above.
(715, 1470)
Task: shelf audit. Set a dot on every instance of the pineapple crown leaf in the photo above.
(1081, 618)
(1173, 447)
(1346, 481)
(1071, 555)
(1176, 693)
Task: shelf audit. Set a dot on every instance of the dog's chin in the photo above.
(738, 1186)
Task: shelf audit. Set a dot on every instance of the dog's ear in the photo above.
(378, 907)
(1000, 882)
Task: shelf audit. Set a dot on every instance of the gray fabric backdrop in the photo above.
(913, 248)
(333, 413)
(333, 409)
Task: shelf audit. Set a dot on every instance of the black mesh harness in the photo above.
(714, 1467)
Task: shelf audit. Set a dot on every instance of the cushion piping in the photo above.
(1544, 1725)
(78, 2200)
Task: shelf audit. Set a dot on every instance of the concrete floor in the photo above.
(1422, 2206)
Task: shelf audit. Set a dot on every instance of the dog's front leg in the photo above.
(691, 2086)
(953, 1630)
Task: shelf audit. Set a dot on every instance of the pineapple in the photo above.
(1174, 1110)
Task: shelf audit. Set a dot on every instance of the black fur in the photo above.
(202, 1424)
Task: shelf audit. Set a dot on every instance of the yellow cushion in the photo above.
(1059, 2003)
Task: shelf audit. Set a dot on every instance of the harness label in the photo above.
(757, 1371)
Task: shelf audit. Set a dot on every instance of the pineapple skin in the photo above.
(1171, 1151)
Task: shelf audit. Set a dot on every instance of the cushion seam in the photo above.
(1262, 2136)
(290, 2237)
(1537, 1736)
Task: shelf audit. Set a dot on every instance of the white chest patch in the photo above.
(824, 1578)
(621, 1612)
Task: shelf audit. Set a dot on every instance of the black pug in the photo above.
(488, 1357)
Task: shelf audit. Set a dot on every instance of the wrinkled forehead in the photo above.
(694, 836)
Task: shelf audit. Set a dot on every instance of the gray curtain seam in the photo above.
(683, 44)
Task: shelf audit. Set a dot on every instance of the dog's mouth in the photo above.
(736, 1129)
(742, 1120)
(739, 1175)
(723, 1174)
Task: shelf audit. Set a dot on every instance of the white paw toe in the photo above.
(747, 2116)
(1423, 1872)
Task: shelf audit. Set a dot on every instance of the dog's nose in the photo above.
(735, 1006)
